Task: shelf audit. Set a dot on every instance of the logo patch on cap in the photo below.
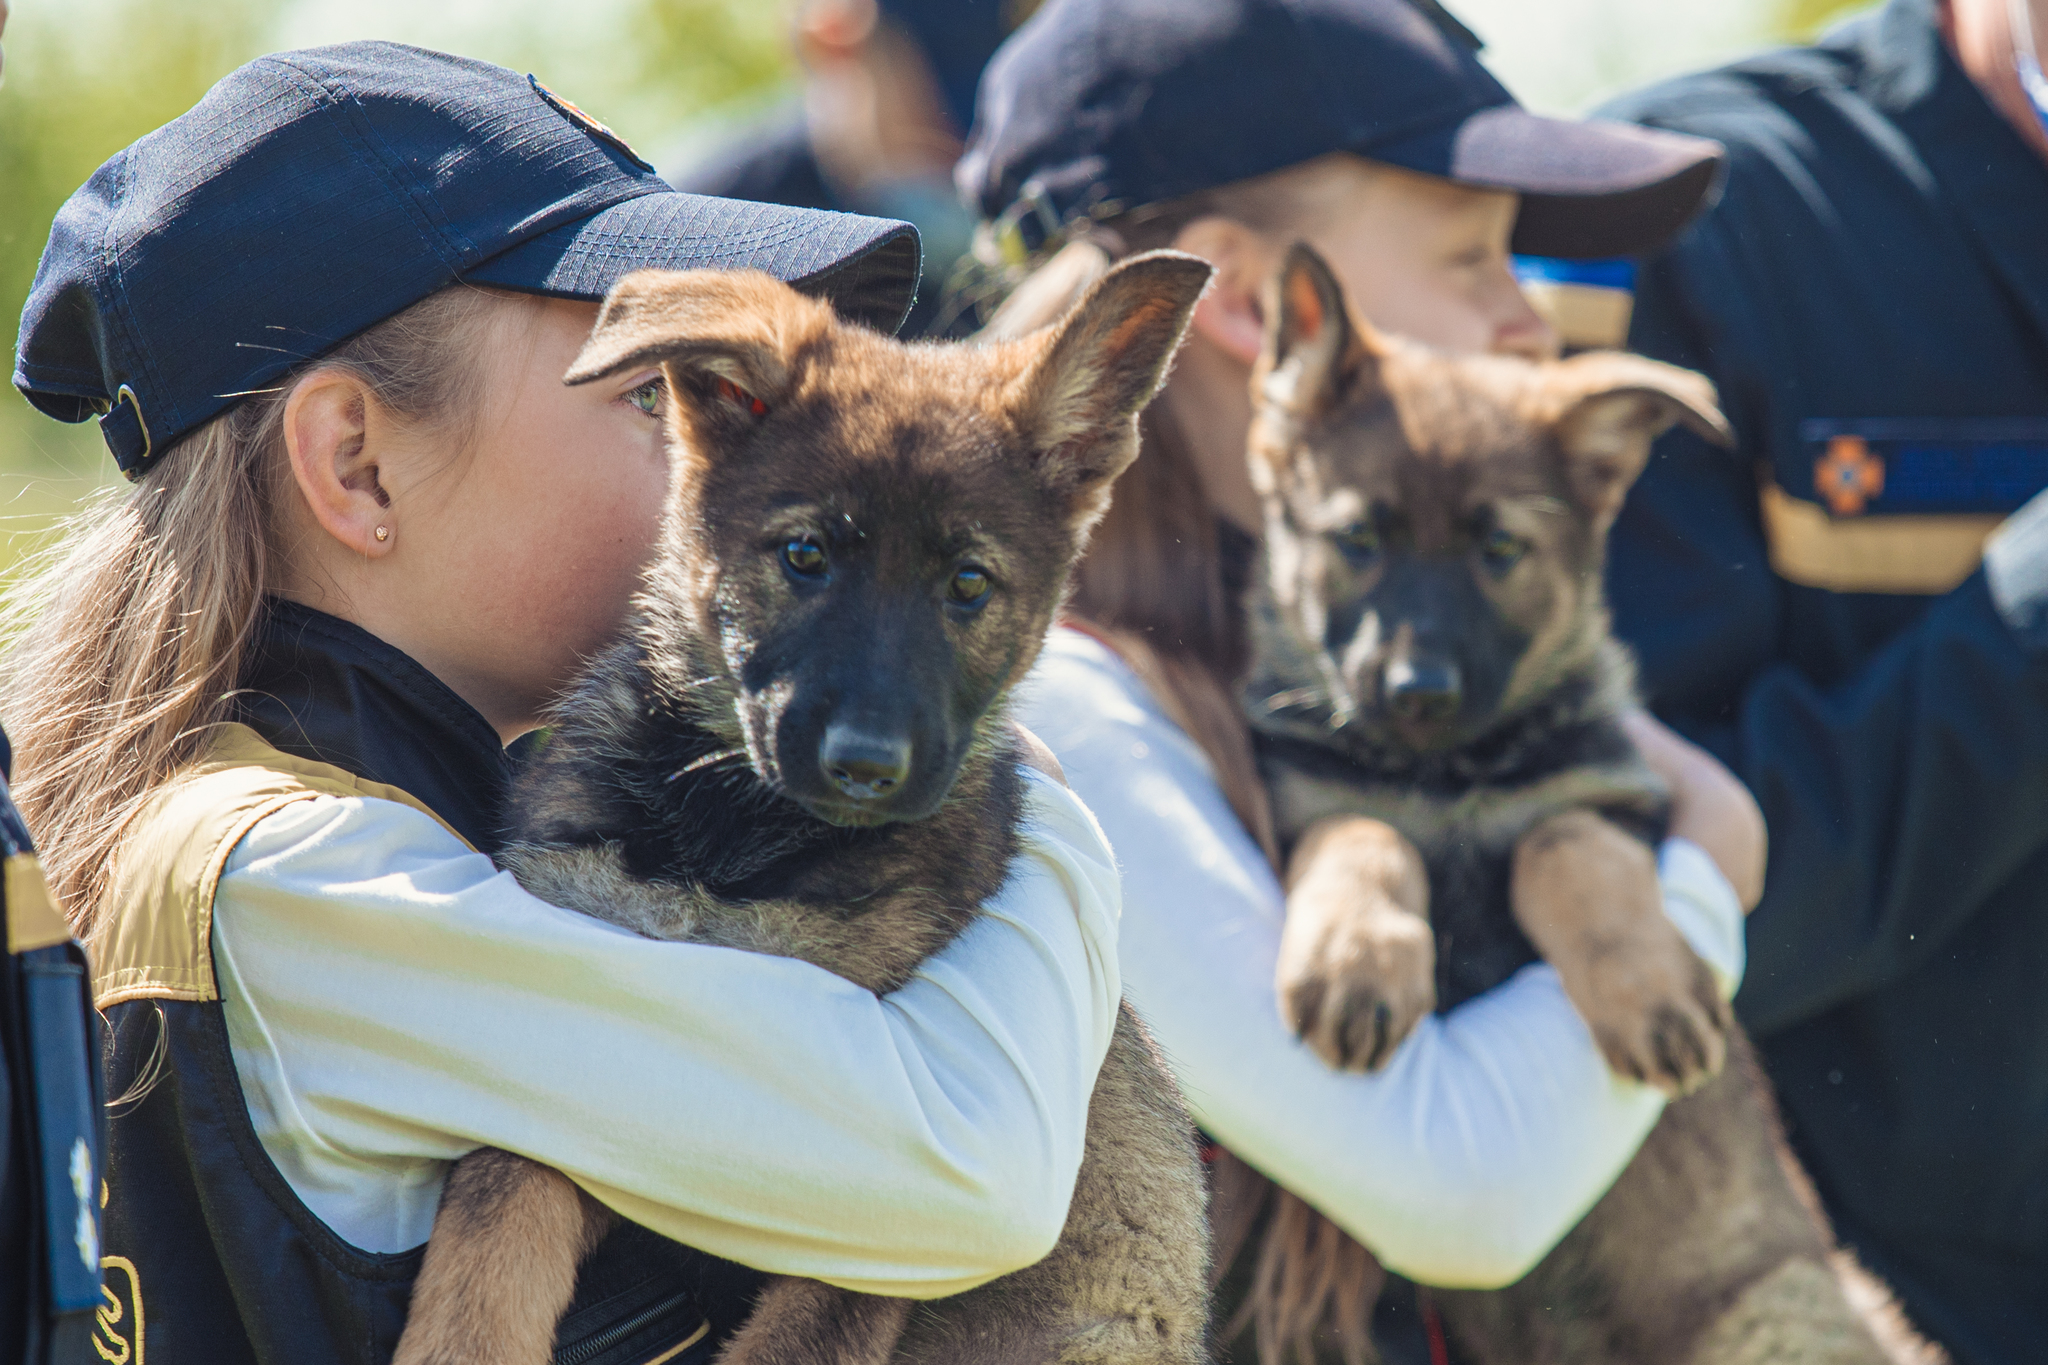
(570, 111)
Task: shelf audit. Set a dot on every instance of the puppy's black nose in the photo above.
(1422, 691)
(865, 767)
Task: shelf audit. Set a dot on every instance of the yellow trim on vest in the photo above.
(168, 866)
(33, 920)
(703, 1330)
(1917, 554)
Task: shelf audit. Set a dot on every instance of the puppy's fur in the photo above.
(1436, 697)
(801, 748)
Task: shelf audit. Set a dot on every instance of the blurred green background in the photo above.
(85, 77)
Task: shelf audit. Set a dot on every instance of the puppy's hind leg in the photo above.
(802, 1322)
(1795, 1315)
(501, 1266)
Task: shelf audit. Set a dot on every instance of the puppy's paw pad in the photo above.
(1355, 1012)
(1675, 1038)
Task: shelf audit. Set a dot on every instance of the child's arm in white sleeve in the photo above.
(1494, 1128)
(394, 1002)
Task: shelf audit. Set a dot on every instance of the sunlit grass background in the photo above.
(86, 77)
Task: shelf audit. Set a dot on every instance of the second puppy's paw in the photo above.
(1653, 1009)
(1353, 986)
(1587, 895)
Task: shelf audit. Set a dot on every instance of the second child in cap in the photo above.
(1230, 129)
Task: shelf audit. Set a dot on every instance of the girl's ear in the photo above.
(1230, 316)
(334, 455)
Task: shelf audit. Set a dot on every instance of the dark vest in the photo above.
(211, 1259)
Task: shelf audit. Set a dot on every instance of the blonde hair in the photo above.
(1151, 587)
(129, 633)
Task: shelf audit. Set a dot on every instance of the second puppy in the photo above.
(1436, 697)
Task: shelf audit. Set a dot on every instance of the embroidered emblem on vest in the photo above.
(1848, 476)
(117, 1327)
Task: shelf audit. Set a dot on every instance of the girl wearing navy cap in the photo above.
(1230, 129)
(261, 706)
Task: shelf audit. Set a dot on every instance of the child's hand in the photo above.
(1709, 804)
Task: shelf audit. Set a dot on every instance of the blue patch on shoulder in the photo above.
(1615, 273)
(1924, 465)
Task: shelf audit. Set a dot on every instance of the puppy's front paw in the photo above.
(1653, 1009)
(1353, 986)
(1587, 895)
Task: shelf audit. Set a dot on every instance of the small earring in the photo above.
(383, 533)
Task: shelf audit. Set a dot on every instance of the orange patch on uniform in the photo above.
(1848, 476)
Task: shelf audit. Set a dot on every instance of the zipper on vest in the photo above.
(591, 1347)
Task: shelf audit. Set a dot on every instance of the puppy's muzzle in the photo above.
(862, 766)
(1421, 693)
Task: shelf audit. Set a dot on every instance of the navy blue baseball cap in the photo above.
(1097, 107)
(312, 194)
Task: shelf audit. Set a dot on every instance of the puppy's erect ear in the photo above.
(1316, 353)
(1098, 367)
(1606, 407)
(722, 338)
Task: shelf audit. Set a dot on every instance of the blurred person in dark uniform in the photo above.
(1852, 613)
(51, 1140)
(887, 100)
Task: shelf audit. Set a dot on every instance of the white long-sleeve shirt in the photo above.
(1493, 1129)
(393, 1002)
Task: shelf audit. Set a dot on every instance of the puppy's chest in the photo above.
(1465, 828)
(741, 841)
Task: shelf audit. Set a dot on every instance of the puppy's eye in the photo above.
(1503, 550)
(647, 397)
(970, 587)
(805, 557)
(739, 397)
(1359, 542)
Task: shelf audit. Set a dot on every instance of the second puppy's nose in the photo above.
(1422, 691)
(864, 767)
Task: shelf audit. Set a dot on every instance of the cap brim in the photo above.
(867, 268)
(1589, 188)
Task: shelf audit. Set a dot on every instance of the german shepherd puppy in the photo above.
(801, 747)
(1436, 699)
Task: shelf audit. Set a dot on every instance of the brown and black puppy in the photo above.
(1436, 697)
(801, 747)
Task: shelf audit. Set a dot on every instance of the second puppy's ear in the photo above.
(1100, 365)
(1607, 407)
(1316, 353)
(722, 338)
